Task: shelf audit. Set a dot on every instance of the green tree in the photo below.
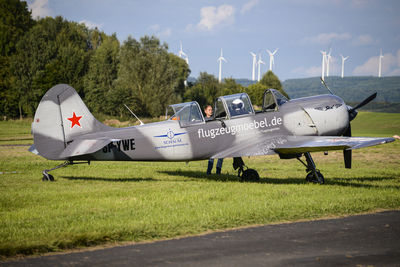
(15, 20)
(229, 87)
(270, 80)
(148, 77)
(102, 73)
(183, 74)
(53, 51)
(256, 92)
(205, 90)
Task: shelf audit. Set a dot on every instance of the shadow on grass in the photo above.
(102, 179)
(360, 182)
(203, 175)
(352, 182)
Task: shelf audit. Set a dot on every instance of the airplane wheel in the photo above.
(48, 177)
(311, 177)
(250, 175)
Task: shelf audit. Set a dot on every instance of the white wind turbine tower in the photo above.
(343, 60)
(182, 54)
(220, 59)
(328, 60)
(271, 58)
(259, 65)
(323, 65)
(380, 64)
(253, 73)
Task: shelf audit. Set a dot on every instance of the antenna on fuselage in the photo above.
(326, 86)
(141, 123)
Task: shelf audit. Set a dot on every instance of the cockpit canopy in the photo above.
(188, 113)
(273, 99)
(226, 107)
(233, 106)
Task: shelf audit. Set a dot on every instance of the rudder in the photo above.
(60, 117)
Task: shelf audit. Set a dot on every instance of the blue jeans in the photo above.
(211, 163)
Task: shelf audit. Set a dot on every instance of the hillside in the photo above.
(351, 89)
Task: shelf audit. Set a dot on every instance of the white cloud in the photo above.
(390, 65)
(326, 38)
(363, 40)
(156, 29)
(248, 6)
(310, 71)
(362, 3)
(39, 8)
(90, 24)
(212, 16)
(313, 71)
(165, 33)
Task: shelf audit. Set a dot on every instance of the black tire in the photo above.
(312, 179)
(250, 175)
(48, 177)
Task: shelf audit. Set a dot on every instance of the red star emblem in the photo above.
(75, 120)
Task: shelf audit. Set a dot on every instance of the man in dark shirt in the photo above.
(208, 110)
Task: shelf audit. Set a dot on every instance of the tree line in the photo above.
(143, 74)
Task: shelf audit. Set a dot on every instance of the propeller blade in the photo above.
(363, 103)
(347, 154)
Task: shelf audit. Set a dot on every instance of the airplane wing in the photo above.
(298, 144)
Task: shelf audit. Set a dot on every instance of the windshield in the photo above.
(238, 104)
(186, 113)
(273, 99)
(280, 99)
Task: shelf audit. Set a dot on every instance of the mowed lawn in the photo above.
(112, 202)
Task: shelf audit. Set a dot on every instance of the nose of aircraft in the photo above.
(329, 114)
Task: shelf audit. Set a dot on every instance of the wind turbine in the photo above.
(328, 60)
(380, 64)
(343, 60)
(271, 58)
(323, 65)
(259, 65)
(253, 73)
(181, 55)
(220, 59)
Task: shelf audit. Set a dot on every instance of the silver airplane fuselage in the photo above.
(324, 115)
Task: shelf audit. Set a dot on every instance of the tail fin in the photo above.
(60, 117)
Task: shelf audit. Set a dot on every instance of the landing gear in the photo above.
(49, 177)
(314, 175)
(248, 175)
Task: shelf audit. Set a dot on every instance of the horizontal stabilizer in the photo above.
(84, 146)
(33, 149)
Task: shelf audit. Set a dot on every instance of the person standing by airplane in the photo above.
(208, 110)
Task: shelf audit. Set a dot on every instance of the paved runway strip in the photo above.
(372, 239)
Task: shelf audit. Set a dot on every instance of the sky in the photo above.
(300, 29)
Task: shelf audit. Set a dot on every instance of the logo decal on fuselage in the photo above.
(272, 124)
(328, 107)
(75, 120)
(121, 145)
(172, 139)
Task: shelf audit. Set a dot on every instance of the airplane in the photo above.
(64, 129)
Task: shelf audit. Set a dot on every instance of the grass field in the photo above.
(110, 202)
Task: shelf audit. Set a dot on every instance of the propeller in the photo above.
(353, 111)
(347, 154)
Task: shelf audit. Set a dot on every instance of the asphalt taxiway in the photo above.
(362, 240)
